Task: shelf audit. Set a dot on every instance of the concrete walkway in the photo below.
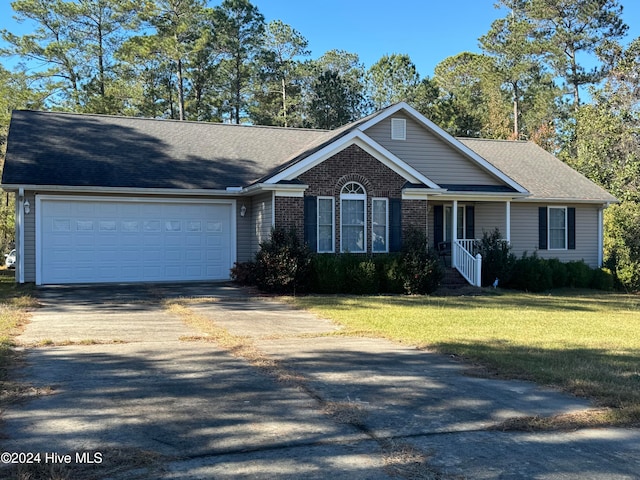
(156, 405)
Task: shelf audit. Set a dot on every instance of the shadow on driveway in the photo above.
(205, 413)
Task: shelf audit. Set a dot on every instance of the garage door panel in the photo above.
(133, 240)
(174, 240)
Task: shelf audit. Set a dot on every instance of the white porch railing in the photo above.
(469, 266)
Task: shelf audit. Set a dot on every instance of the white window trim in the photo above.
(354, 196)
(333, 225)
(566, 228)
(398, 129)
(386, 226)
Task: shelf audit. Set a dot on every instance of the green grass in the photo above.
(15, 301)
(587, 343)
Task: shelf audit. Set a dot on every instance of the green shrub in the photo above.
(559, 273)
(325, 274)
(579, 274)
(531, 274)
(244, 273)
(359, 274)
(602, 279)
(497, 259)
(388, 269)
(420, 269)
(356, 274)
(622, 244)
(282, 263)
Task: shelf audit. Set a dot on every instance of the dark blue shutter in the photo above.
(395, 224)
(438, 225)
(542, 228)
(311, 223)
(571, 228)
(470, 222)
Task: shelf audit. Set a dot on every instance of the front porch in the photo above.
(458, 247)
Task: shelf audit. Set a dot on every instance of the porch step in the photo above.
(453, 279)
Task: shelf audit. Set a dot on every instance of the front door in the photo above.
(448, 223)
(443, 223)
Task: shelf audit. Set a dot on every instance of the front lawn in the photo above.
(587, 343)
(15, 301)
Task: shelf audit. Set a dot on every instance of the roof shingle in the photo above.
(542, 174)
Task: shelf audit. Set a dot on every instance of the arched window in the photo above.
(353, 231)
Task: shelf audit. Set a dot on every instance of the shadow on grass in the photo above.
(611, 378)
(561, 300)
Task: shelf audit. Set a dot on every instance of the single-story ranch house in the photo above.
(121, 199)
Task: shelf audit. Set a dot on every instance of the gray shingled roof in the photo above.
(543, 175)
(47, 148)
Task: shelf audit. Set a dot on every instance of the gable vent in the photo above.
(398, 129)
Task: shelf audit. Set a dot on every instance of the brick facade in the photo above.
(289, 213)
(327, 179)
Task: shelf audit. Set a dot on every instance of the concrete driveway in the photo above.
(125, 388)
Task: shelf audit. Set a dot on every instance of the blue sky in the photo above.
(427, 30)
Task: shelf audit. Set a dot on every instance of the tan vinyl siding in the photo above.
(262, 220)
(30, 240)
(524, 233)
(489, 216)
(430, 155)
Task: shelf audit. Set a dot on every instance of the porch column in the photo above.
(508, 233)
(454, 233)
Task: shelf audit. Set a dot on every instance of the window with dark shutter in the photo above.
(438, 225)
(571, 228)
(470, 222)
(395, 224)
(542, 228)
(311, 222)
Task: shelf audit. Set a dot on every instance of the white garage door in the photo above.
(133, 240)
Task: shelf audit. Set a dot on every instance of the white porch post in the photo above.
(454, 233)
(508, 213)
(478, 279)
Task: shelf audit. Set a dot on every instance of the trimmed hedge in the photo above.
(284, 266)
(535, 274)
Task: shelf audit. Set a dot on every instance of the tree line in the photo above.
(560, 73)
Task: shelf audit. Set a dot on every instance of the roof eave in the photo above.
(122, 190)
(483, 196)
(593, 201)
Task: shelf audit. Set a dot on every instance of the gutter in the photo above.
(234, 191)
(603, 202)
(230, 192)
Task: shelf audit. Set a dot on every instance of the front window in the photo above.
(379, 225)
(353, 200)
(325, 225)
(557, 228)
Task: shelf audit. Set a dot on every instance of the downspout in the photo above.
(508, 213)
(20, 236)
(273, 209)
(600, 237)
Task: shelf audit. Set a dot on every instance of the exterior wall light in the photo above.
(243, 210)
